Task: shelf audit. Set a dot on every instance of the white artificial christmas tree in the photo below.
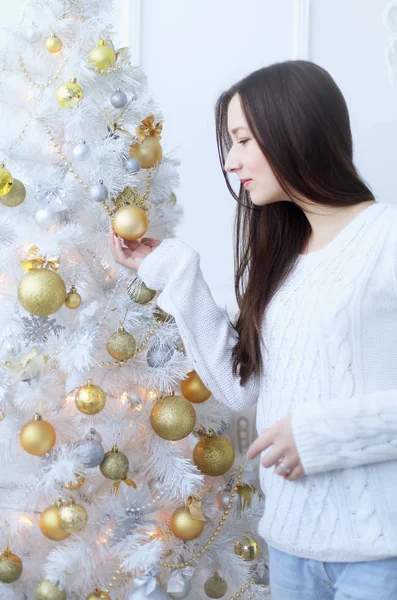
(99, 495)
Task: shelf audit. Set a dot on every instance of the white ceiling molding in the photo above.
(301, 42)
(131, 28)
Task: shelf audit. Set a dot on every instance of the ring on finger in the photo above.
(284, 470)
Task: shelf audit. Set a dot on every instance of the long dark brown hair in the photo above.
(299, 118)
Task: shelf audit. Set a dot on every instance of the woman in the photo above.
(315, 342)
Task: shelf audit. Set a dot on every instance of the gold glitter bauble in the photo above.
(148, 152)
(48, 591)
(72, 517)
(246, 492)
(69, 94)
(75, 485)
(121, 345)
(184, 526)
(10, 567)
(16, 196)
(90, 399)
(140, 293)
(6, 181)
(102, 56)
(73, 299)
(37, 437)
(248, 548)
(215, 586)
(173, 418)
(98, 595)
(41, 292)
(213, 455)
(53, 44)
(115, 465)
(193, 389)
(49, 523)
(130, 222)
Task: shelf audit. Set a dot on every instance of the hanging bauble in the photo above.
(47, 217)
(49, 523)
(119, 99)
(215, 586)
(6, 181)
(222, 499)
(98, 594)
(10, 567)
(184, 526)
(81, 152)
(131, 165)
(114, 465)
(130, 222)
(148, 152)
(75, 485)
(53, 43)
(16, 196)
(173, 418)
(90, 451)
(33, 33)
(213, 455)
(159, 355)
(41, 292)
(246, 493)
(193, 389)
(99, 192)
(139, 292)
(179, 588)
(144, 592)
(2, 414)
(90, 399)
(161, 316)
(37, 437)
(248, 548)
(69, 94)
(72, 517)
(121, 345)
(73, 299)
(46, 590)
(102, 56)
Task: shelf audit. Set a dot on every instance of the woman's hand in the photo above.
(133, 253)
(283, 452)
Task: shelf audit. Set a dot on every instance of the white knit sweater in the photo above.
(330, 359)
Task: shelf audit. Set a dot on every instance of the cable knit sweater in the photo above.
(331, 360)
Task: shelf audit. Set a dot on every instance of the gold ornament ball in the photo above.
(162, 316)
(72, 517)
(49, 523)
(148, 153)
(193, 389)
(10, 567)
(246, 493)
(41, 292)
(75, 485)
(53, 44)
(121, 345)
(173, 418)
(184, 526)
(248, 548)
(130, 222)
(102, 56)
(37, 437)
(69, 94)
(115, 465)
(140, 293)
(213, 455)
(98, 594)
(16, 196)
(48, 591)
(6, 181)
(215, 586)
(73, 299)
(90, 399)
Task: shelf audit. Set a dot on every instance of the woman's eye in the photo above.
(243, 142)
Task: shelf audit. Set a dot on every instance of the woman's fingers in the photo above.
(261, 443)
(272, 457)
(295, 474)
(285, 462)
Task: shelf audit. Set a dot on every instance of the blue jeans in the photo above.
(293, 578)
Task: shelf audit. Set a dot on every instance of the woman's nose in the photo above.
(232, 163)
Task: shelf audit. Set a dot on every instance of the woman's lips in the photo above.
(246, 183)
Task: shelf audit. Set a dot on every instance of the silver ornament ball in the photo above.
(90, 452)
(81, 151)
(99, 192)
(132, 165)
(185, 588)
(119, 99)
(46, 217)
(158, 355)
(222, 499)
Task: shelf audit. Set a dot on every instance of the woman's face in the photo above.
(245, 158)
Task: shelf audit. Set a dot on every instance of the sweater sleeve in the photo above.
(205, 328)
(347, 432)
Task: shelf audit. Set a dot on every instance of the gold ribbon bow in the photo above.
(127, 481)
(34, 260)
(193, 504)
(149, 129)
